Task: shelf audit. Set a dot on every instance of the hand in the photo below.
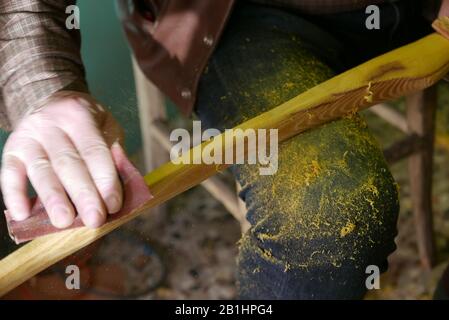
(63, 149)
(444, 9)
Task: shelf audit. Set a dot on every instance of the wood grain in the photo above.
(368, 84)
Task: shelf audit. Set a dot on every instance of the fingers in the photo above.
(444, 10)
(14, 187)
(49, 189)
(44, 180)
(65, 156)
(99, 162)
(76, 179)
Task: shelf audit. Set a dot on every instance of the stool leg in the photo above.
(421, 108)
(244, 224)
(151, 105)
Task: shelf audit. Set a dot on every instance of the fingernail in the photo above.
(94, 218)
(20, 215)
(113, 203)
(61, 217)
(116, 144)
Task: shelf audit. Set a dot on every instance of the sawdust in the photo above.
(333, 191)
(331, 181)
(347, 229)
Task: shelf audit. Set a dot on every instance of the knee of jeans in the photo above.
(356, 230)
(331, 211)
(319, 254)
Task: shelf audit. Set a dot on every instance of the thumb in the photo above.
(444, 9)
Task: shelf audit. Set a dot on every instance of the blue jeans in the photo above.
(331, 209)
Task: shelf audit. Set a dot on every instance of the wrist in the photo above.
(71, 97)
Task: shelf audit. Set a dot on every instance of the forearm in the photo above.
(38, 55)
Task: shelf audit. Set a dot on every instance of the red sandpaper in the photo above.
(136, 193)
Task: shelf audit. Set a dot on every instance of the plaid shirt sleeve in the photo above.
(39, 56)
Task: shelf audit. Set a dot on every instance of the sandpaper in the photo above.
(135, 193)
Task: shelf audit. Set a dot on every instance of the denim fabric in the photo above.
(331, 209)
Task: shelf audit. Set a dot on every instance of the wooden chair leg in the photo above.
(216, 187)
(421, 108)
(151, 103)
(244, 224)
